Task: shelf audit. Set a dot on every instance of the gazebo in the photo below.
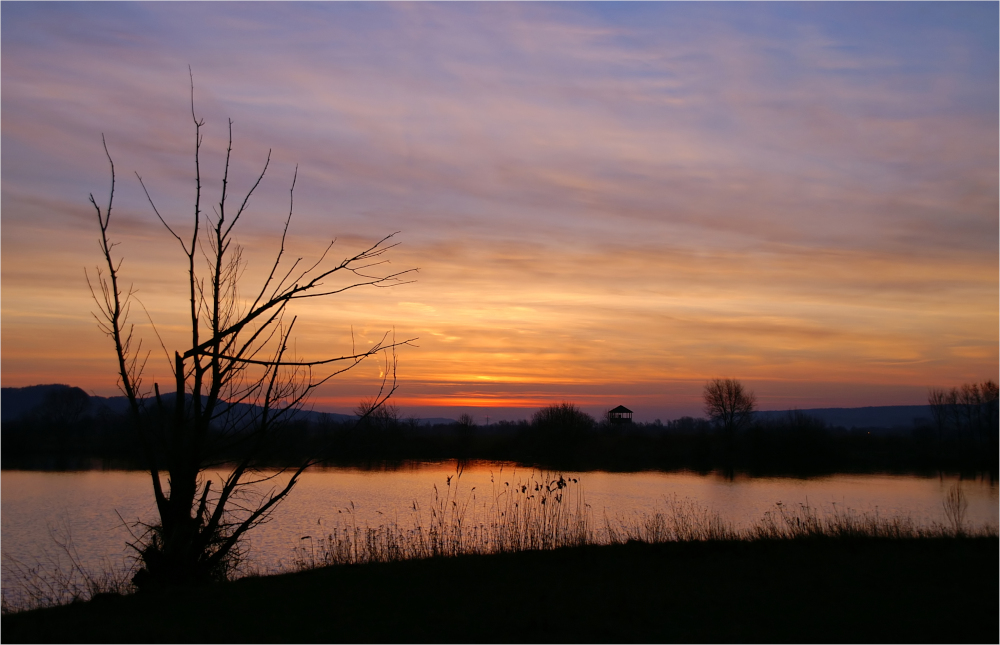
(621, 414)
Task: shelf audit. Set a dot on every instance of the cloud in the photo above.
(594, 194)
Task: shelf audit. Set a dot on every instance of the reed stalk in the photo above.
(548, 511)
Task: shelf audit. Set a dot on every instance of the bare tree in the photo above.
(729, 404)
(939, 404)
(967, 413)
(236, 383)
(374, 413)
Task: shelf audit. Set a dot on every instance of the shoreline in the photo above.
(97, 464)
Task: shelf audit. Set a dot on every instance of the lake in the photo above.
(86, 505)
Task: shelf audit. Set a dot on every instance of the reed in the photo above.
(681, 521)
(685, 521)
(955, 506)
(549, 511)
(57, 577)
(542, 512)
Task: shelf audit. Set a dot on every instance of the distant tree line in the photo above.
(62, 433)
(966, 416)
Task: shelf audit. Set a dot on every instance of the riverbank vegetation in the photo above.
(550, 513)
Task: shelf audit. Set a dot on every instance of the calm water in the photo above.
(84, 504)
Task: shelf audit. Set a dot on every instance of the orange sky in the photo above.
(606, 205)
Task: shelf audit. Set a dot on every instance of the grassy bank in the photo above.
(801, 590)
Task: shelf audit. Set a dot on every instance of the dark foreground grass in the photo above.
(798, 590)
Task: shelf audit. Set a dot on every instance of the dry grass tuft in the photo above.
(549, 511)
(57, 577)
(955, 506)
(544, 512)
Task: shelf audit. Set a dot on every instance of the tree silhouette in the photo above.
(563, 419)
(968, 414)
(374, 413)
(237, 384)
(729, 404)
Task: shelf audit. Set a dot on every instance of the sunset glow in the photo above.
(607, 203)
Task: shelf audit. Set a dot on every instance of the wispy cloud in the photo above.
(595, 195)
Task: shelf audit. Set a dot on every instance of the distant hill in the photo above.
(16, 402)
(883, 416)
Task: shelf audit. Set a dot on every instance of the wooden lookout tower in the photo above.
(621, 414)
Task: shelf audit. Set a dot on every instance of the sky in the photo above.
(607, 203)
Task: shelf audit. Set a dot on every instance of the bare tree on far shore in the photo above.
(374, 412)
(729, 404)
(968, 413)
